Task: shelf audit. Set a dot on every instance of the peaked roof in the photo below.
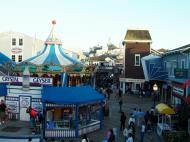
(137, 36)
(53, 53)
(71, 95)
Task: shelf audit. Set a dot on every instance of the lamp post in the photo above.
(155, 89)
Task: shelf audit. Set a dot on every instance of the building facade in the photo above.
(136, 45)
(18, 46)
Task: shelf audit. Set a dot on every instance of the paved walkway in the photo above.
(111, 121)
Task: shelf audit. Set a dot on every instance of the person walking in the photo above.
(85, 138)
(122, 121)
(126, 133)
(142, 131)
(120, 104)
(130, 138)
(33, 113)
(2, 112)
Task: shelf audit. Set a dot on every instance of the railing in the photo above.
(60, 133)
(13, 116)
(89, 128)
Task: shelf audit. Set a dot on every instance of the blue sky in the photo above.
(82, 24)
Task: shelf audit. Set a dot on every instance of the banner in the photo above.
(13, 79)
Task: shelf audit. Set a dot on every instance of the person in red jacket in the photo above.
(33, 113)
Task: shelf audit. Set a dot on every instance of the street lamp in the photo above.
(155, 89)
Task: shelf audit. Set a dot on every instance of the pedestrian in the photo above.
(131, 120)
(2, 112)
(120, 104)
(146, 117)
(112, 136)
(33, 113)
(119, 93)
(122, 121)
(126, 133)
(142, 131)
(85, 138)
(130, 138)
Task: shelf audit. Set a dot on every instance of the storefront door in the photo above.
(25, 102)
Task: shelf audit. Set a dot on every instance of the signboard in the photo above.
(181, 73)
(12, 106)
(16, 50)
(38, 80)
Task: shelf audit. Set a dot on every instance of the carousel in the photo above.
(52, 67)
(53, 62)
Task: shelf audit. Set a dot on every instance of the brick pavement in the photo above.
(129, 102)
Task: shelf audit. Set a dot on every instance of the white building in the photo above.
(18, 46)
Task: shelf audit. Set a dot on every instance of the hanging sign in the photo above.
(13, 79)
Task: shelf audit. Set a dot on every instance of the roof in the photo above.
(71, 95)
(137, 36)
(53, 53)
(177, 50)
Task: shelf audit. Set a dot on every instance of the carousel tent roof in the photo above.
(4, 59)
(52, 54)
(71, 95)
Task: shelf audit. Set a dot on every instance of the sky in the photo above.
(82, 24)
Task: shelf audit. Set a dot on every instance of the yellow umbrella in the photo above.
(164, 109)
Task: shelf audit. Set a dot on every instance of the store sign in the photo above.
(16, 50)
(178, 90)
(39, 80)
(181, 73)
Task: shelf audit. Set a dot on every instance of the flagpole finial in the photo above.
(53, 22)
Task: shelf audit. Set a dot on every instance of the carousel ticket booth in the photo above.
(71, 111)
(164, 118)
(19, 97)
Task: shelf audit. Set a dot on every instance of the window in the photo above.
(137, 59)
(183, 64)
(13, 41)
(20, 41)
(13, 57)
(20, 58)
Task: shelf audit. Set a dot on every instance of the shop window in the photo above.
(182, 64)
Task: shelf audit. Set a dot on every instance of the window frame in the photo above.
(137, 55)
(13, 56)
(19, 56)
(13, 42)
(184, 64)
(19, 41)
